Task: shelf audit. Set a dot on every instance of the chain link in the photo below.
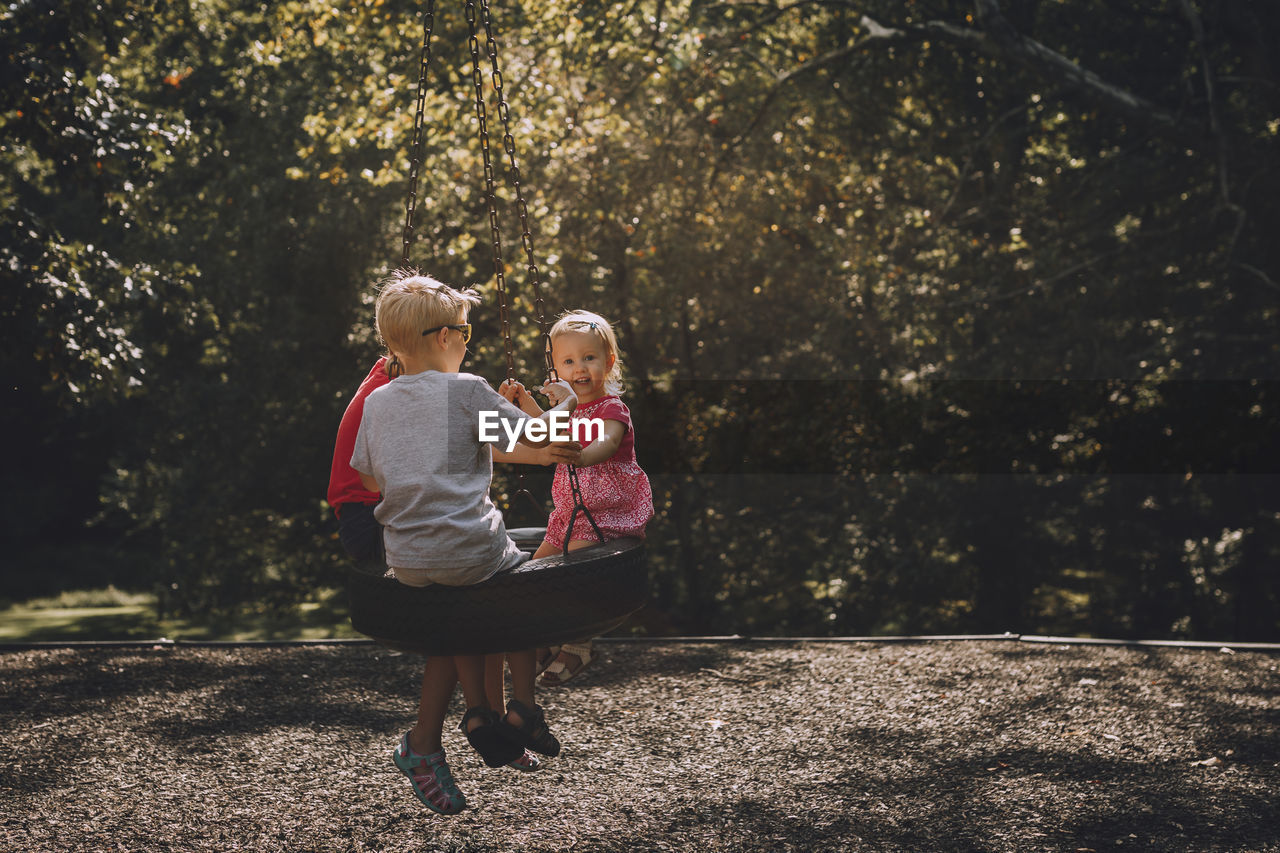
(526, 239)
(579, 505)
(491, 199)
(491, 203)
(415, 155)
(522, 207)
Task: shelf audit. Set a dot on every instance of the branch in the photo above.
(1262, 276)
(1219, 136)
(1049, 63)
(1001, 41)
(875, 32)
(998, 39)
(968, 158)
(1215, 126)
(1035, 285)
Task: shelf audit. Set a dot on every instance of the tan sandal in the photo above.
(558, 672)
(544, 659)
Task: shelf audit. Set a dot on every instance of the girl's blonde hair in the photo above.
(409, 303)
(594, 324)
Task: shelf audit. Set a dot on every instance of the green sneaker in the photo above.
(431, 778)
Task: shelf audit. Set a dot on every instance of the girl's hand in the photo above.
(557, 392)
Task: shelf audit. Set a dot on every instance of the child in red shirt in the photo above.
(359, 532)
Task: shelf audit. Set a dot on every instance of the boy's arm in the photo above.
(510, 417)
(360, 458)
(549, 454)
(516, 394)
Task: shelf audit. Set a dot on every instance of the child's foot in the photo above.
(527, 762)
(481, 727)
(528, 727)
(543, 659)
(571, 660)
(431, 778)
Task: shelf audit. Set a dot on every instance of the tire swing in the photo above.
(551, 601)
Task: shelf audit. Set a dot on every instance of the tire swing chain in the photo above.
(526, 236)
(490, 191)
(415, 159)
(415, 151)
(491, 200)
(394, 368)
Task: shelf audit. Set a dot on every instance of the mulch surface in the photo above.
(982, 745)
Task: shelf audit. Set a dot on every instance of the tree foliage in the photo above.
(937, 316)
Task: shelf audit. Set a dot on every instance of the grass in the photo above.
(113, 614)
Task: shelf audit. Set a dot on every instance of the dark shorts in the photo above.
(361, 537)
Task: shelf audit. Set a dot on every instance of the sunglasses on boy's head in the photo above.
(465, 328)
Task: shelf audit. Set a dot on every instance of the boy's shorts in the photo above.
(422, 577)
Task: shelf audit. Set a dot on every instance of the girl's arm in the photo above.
(368, 482)
(603, 448)
(568, 402)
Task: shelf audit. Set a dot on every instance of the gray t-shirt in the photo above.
(419, 438)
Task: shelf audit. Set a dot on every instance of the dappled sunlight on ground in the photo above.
(701, 747)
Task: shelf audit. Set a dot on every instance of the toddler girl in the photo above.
(584, 352)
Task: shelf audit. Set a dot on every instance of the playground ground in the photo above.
(993, 745)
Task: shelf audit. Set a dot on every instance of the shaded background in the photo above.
(937, 317)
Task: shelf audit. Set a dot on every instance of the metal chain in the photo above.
(415, 155)
(490, 194)
(526, 237)
(491, 202)
(522, 208)
(578, 505)
(491, 199)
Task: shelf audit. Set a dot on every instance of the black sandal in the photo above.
(532, 733)
(485, 738)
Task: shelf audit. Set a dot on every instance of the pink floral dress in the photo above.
(616, 491)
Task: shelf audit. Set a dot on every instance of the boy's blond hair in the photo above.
(594, 324)
(409, 303)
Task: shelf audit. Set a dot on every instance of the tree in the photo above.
(928, 309)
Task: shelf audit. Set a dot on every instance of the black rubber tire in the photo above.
(543, 602)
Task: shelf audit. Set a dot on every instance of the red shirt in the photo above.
(344, 483)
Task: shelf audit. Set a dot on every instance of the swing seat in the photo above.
(540, 603)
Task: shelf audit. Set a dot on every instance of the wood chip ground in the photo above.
(984, 746)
